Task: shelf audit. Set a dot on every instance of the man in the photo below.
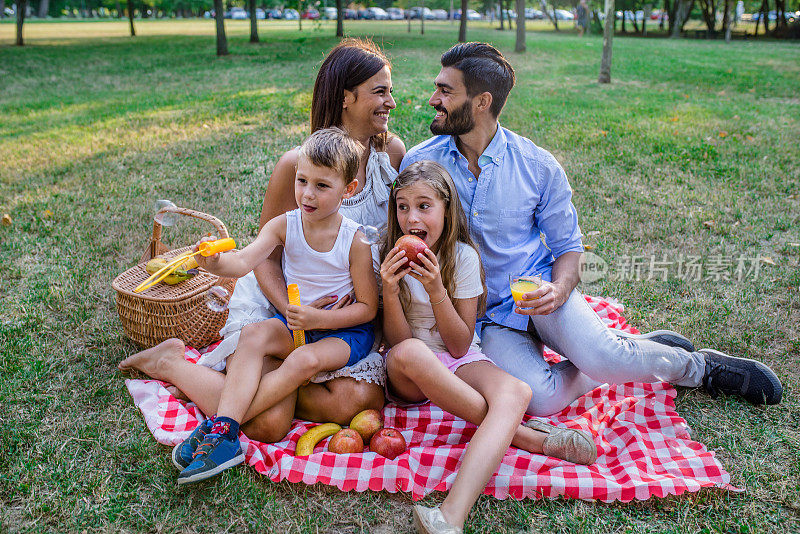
(582, 17)
(519, 206)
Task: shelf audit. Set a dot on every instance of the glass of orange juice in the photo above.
(523, 284)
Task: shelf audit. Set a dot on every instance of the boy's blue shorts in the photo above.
(360, 338)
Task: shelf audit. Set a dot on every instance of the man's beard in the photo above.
(457, 122)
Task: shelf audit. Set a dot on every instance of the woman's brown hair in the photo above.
(348, 65)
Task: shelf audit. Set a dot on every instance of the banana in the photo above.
(307, 442)
(177, 276)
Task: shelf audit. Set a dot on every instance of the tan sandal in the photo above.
(431, 521)
(576, 446)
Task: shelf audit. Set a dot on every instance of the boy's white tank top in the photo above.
(318, 274)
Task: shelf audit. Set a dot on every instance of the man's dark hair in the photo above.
(485, 70)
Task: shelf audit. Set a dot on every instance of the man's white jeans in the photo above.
(595, 356)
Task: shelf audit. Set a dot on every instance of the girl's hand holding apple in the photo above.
(425, 268)
(393, 268)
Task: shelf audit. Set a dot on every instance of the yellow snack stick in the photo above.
(294, 298)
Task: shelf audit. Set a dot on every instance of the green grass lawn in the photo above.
(693, 150)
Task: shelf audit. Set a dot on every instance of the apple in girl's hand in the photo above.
(412, 245)
(346, 441)
(366, 423)
(388, 442)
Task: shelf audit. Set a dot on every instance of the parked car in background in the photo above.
(274, 13)
(509, 14)
(237, 13)
(290, 14)
(563, 14)
(310, 14)
(395, 13)
(260, 14)
(471, 14)
(439, 14)
(329, 13)
(375, 13)
(415, 12)
(350, 14)
(533, 14)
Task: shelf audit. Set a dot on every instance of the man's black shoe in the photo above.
(664, 337)
(751, 380)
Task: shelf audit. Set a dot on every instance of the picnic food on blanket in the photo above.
(184, 271)
(309, 440)
(294, 298)
(411, 245)
(346, 441)
(523, 284)
(206, 248)
(388, 442)
(366, 423)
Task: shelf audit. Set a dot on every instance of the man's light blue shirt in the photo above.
(520, 201)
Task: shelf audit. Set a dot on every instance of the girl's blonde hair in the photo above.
(454, 230)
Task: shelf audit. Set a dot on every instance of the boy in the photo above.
(325, 254)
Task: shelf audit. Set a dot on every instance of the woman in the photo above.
(352, 91)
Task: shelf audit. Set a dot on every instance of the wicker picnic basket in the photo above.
(164, 311)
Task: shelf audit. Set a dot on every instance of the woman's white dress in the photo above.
(248, 304)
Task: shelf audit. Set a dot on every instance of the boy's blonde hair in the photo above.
(455, 227)
(333, 149)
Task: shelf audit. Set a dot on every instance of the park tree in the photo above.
(222, 40)
(519, 46)
(608, 36)
(131, 13)
(22, 7)
(462, 24)
(251, 5)
(340, 19)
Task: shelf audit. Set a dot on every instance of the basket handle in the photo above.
(156, 247)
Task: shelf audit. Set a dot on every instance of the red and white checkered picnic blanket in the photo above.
(644, 448)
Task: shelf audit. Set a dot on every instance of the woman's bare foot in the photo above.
(148, 361)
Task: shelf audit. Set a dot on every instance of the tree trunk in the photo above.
(648, 8)
(22, 7)
(219, 17)
(763, 17)
(547, 14)
(502, 27)
(131, 13)
(119, 10)
(681, 14)
(608, 36)
(253, 21)
(2, 9)
(726, 21)
(44, 7)
(462, 24)
(340, 19)
(422, 19)
(520, 45)
(758, 20)
(709, 11)
(300, 18)
(622, 29)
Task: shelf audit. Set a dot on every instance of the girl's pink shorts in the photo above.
(451, 363)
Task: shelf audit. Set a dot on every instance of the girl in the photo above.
(429, 320)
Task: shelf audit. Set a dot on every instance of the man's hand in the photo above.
(544, 301)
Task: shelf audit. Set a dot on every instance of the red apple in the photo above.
(412, 245)
(388, 442)
(366, 423)
(345, 441)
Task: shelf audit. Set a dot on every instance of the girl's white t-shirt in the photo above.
(419, 312)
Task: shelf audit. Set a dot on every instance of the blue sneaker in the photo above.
(214, 455)
(183, 452)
